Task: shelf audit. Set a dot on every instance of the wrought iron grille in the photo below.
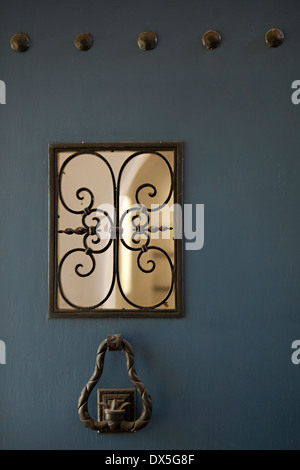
(97, 242)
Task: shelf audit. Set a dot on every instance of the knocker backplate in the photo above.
(122, 395)
(115, 238)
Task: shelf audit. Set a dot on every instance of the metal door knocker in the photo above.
(116, 407)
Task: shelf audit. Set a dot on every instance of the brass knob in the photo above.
(211, 39)
(274, 37)
(83, 41)
(147, 40)
(20, 42)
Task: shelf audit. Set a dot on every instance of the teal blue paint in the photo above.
(221, 377)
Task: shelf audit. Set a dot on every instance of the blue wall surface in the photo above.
(222, 376)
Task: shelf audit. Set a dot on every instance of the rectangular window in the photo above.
(115, 248)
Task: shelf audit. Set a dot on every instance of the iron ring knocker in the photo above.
(114, 417)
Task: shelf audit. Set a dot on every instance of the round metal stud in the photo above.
(147, 40)
(274, 37)
(20, 42)
(211, 39)
(83, 41)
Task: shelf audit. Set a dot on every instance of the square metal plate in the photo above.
(121, 395)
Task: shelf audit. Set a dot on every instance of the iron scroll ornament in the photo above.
(113, 423)
(86, 257)
(116, 228)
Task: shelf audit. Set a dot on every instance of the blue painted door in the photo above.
(221, 377)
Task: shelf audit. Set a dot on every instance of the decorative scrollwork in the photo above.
(140, 240)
